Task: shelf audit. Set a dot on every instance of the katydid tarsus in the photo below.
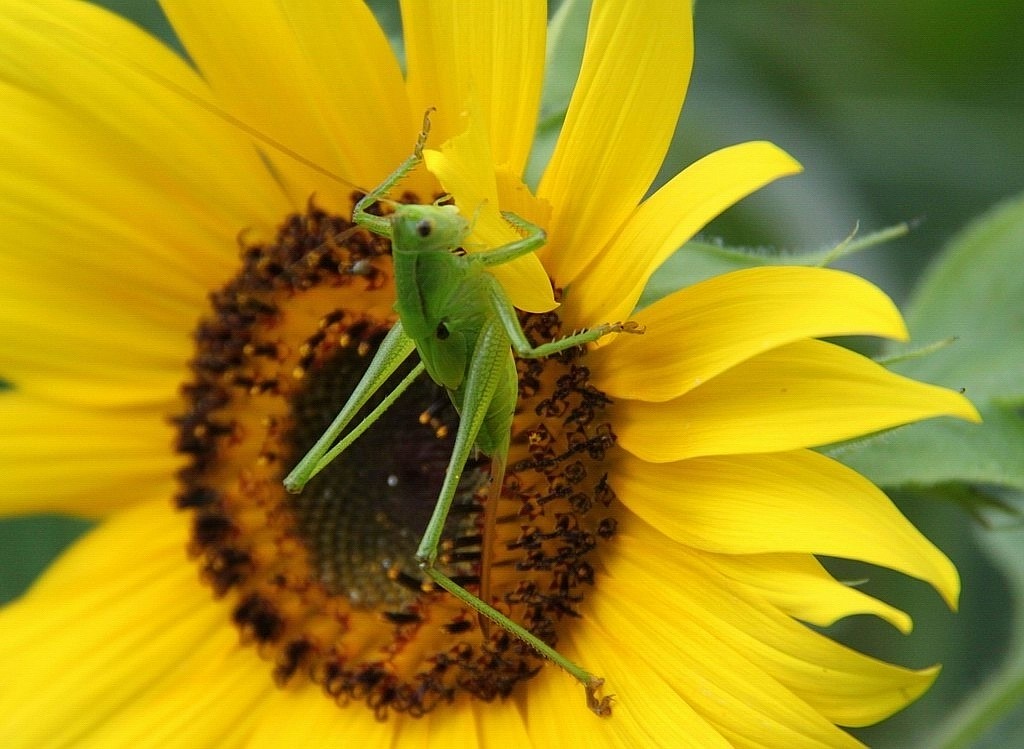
(457, 317)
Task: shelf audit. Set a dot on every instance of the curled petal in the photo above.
(802, 394)
(465, 169)
(769, 503)
(703, 330)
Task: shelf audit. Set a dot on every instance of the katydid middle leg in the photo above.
(533, 241)
(521, 344)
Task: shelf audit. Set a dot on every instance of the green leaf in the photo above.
(700, 259)
(697, 261)
(567, 37)
(975, 292)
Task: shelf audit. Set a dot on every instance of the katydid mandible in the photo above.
(457, 317)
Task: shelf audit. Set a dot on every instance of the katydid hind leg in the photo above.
(488, 527)
(480, 386)
(481, 381)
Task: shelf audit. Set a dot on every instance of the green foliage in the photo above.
(992, 715)
(567, 36)
(701, 259)
(976, 294)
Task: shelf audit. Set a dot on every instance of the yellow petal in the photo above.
(555, 701)
(690, 613)
(623, 112)
(290, 98)
(799, 586)
(799, 395)
(213, 698)
(83, 462)
(79, 367)
(731, 699)
(489, 50)
(664, 222)
(88, 338)
(362, 99)
(780, 502)
(703, 330)
(504, 718)
(89, 120)
(304, 717)
(450, 727)
(646, 711)
(100, 302)
(119, 623)
(465, 169)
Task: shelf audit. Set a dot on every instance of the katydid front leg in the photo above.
(381, 225)
(394, 349)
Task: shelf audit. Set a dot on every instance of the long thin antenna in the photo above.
(229, 118)
(246, 127)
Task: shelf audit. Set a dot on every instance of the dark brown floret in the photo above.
(258, 617)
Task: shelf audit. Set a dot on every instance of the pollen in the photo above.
(324, 584)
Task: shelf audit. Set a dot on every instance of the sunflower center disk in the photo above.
(324, 583)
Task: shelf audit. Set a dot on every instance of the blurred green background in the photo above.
(898, 111)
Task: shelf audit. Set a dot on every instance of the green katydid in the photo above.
(458, 318)
(456, 315)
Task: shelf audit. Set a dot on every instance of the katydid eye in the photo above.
(424, 228)
(442, 331)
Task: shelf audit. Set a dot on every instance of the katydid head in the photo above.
(427, 228)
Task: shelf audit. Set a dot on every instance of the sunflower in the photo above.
(181, 320)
